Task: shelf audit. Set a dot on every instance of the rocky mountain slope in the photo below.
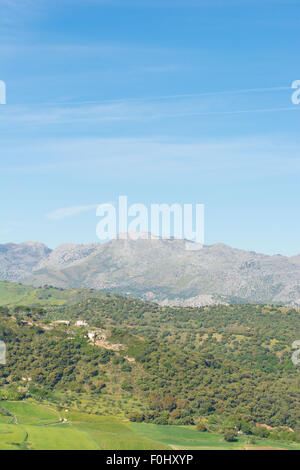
(158, 270)
(19, 260)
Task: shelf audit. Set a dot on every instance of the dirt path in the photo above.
(263, 448)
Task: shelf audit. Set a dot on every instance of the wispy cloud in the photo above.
(100, 48)
(70, 211)
(182, 3)
(177, 96)
(141, 161)
(9, 227)
(18, 11)
(148, 108)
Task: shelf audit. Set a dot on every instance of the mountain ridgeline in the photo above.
(158, 270)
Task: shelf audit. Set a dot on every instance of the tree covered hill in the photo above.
(158, 364)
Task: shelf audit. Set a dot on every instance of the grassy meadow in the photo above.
(31, 426)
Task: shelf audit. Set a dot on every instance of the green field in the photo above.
(18, 294)
(41, 427)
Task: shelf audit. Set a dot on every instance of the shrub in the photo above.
(230, 435)
(136, 417)
(126, 387)
(261, 431)
(201, 427)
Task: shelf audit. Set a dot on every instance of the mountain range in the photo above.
(159, 270)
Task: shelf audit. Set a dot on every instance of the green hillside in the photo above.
(226, 368)
(18, 294)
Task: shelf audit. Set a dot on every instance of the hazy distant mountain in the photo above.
(295, 259)
(158, 270)
(18, 261)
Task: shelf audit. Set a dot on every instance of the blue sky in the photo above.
(183, 101)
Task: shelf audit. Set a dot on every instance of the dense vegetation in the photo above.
(225, 368)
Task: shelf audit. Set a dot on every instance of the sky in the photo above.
(165, 101)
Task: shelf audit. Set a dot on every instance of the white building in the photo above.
(81, 323)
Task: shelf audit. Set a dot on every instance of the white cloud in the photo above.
(70, 211)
